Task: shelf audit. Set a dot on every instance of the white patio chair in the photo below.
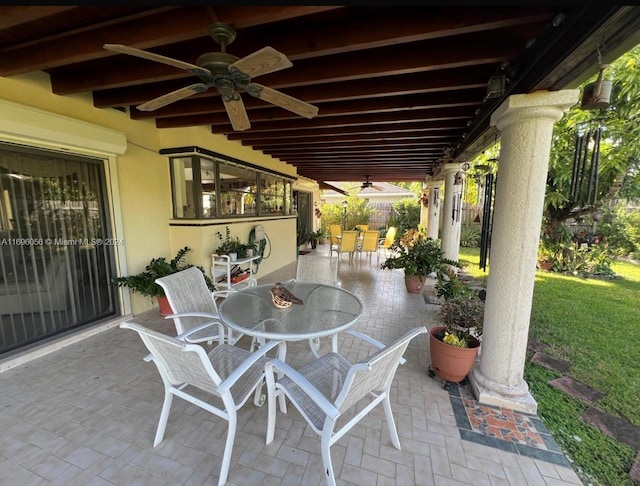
(227, 372)
(196, 313)
(326, 388)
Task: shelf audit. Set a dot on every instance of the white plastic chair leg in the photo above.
(325, 445)
(164, 416)
(228, 448)
(390, 422)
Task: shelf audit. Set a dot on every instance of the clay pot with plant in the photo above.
(418, 256)
(454, 345)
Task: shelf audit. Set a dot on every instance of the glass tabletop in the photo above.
(325, 310)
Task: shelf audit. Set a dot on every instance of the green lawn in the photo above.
(595, 325)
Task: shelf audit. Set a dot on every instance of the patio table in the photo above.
(326, 310)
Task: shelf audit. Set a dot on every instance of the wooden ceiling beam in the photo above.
(18, 15)
(412, 135)
(167, 27)
(370, 144)
(298, 126)
(418, 101)
(413, 83)
(490, 48)
(330, 132)
(471, 98)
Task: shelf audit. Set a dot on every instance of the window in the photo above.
(209, 187)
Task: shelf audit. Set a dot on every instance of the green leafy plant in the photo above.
(232, 244)
(302, 235)
(144, 282)
(417, 255)
(469, 236)
(463, 318)
(450, 286)
(405, 215)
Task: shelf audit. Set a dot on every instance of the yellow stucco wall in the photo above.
(143, 190)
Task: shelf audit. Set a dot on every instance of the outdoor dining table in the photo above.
(325, 311)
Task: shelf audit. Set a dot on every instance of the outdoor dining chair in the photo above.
(369, 243)
(329, 387)
(335, 231)
(385, 244)
(348, 244)
(195, 311)
(227, 372)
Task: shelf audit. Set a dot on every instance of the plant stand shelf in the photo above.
(221, 272)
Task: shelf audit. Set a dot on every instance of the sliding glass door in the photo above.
(56, 249)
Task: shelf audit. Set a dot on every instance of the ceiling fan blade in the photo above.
(132, 51)
(176, 95)
(282, 100)
(236, 111)
(266, 60)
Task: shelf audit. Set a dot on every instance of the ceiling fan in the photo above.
(228, 74)
(368, 183)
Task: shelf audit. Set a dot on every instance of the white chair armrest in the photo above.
(373, 342)
(209, 315)
(250, 361)
(183, 336)
(327, 407)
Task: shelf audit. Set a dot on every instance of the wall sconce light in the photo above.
(496, 86)
(436, 197)
(459, 177)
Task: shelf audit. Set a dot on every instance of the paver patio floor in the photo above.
(86, 415)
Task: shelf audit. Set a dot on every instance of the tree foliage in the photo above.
(619, 169)
(405, 214)
(358, 212)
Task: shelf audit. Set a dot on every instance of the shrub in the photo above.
(405, 214)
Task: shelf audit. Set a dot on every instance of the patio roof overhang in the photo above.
(396, 87)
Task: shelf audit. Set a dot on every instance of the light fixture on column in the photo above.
(459, 177)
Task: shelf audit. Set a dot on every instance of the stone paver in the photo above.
(86, 415)
(576, 389)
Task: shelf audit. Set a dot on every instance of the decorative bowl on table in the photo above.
(282, 298)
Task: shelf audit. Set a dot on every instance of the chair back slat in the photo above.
(375, 373)
(187, 291)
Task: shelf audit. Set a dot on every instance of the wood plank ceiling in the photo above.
(395, 86)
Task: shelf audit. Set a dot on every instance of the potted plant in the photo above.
(232, 246)
(453, 346)
(419, 256)
(302, 236)
(144, 282)
(548, 251)
(314, 238)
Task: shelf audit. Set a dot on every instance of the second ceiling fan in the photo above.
(228, 74)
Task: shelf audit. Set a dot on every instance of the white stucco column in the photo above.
(433, 210)
(452, 211)
(526, 123)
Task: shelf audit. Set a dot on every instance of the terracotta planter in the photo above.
(414, 284)
(449, 362)
(165, 308)
(545, 265)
